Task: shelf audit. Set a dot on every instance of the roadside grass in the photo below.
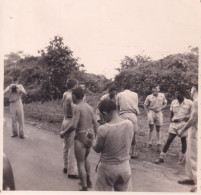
(49, 116)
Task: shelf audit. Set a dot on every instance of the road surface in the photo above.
(37, 165)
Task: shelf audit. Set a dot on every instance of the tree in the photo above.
(137, 60)
(59, 64)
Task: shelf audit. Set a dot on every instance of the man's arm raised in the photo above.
(76, 118)
(192, 120)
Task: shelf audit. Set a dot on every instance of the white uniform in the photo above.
(16, 110)
(70, 162)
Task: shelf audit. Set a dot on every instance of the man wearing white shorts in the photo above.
(127, 104)
(153, 105)
(180, 113)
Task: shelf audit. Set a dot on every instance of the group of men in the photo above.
(115, 135)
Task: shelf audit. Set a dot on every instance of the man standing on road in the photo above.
(180, 113)
(112, 96)
(192, 127)
(113, 142)
(83, 120)
(16, 107)
(153, 105)
(82, 85)
(70, 164)
(127, 104)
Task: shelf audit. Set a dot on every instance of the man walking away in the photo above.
(70, 164)
(83, 120)
(127, 104)
(113, 141)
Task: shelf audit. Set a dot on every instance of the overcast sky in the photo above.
(102, 32)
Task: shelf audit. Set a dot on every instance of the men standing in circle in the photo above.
(70, 164)
(191, 156)
(127, 104)
(113, 141)
(83, 120)
(153, 105)
(112, 96)
(180, 113)
(16, 107)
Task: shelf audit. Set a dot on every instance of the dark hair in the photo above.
(14, 79)
(70, 83)
(81, 83)
(195, 85)
(78, 92)
(181, 90)
(107, 106)
(127, 85)
(112, 88)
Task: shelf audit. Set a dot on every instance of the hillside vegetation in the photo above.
(44, 76)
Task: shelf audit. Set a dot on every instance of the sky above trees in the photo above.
(102, 33)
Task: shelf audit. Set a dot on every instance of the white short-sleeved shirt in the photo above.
(114, 141)
(155, 102)
(181, 110)
(127, 102)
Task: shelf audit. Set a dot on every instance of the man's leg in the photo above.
(88, 169)
(80, 154)
(14, 119)
(65, 124)
(72, 163)
(133, 149)
(190, 180)
(65, 154)
(183, 150)
(20, 119)
(158, 137)
(151, 128)
(166, 147)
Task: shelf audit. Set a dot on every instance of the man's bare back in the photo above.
(86, 118)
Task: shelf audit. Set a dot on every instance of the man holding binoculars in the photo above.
(16, 107)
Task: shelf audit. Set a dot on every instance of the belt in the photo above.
(129, 111)
(178, 121)
(79, 132)
(68, 117)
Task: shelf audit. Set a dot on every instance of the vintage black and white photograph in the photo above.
(100, 95)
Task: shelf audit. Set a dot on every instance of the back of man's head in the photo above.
(107, 106)
(112, 89)
(70, 83)
(195, 85)
(127, 85)
(78, 92)
(181, 91)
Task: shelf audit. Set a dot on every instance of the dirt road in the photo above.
(37, 165)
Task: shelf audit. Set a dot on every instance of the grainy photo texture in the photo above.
(100, 95)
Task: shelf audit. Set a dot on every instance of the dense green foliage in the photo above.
(44, 77)
(169, 73)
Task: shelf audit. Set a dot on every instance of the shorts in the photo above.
(82, 137)
(114, 176)
(175, 128)
(155, 118)
(133, 118)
